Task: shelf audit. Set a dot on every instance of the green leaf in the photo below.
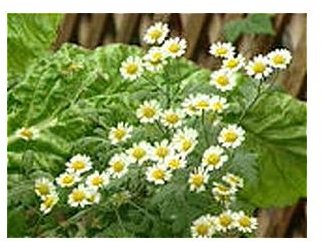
(276, 131)
(30, 36)
(252, 24)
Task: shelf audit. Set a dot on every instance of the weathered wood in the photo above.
(192, 25)
(66, 30)
(96, 31)
(125, 26)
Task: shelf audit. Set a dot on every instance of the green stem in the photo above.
(154, 84)
(119, 220)
(203, 124)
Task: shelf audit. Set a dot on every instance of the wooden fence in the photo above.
(92, 30)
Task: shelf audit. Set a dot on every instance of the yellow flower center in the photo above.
(68, 179)
(230, 136)
(222, 80)
(202, 229)
(174, 48)
(78, 195)
(43, 189)
(278, 59)
(222, 51)
(244, 221)
(131, 68)
(217, 106)
(78, 165)
(49, 201)
(148, 112)
(223, 188)
(174, 164)
(118, 166)
(156, 58)
(202, 104)
(97, 181)
(155, 34)
(138, 153)
(197, 180)
(232, 63)
(162, 151)
(213, 159)
(119, 134)
(172, 118)
(225, 220)
(27, 133)
(259, 67)
(186, 144)
(158, 174)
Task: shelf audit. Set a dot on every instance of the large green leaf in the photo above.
(276, 131)
(30, 36)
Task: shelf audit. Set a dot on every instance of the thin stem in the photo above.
(144, 211)
(154, 84)
(203, 122)
(160, 127)
(252, 102)
(119, 220)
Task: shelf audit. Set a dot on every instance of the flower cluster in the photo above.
(162, 49)
(207, 225)
(161, 158)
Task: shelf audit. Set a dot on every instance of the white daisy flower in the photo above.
(185, 140)
(118, 165)
(156, 33)
(131, 68)
(259, 67)
(218, 104)
(172, 118)
(232, 136)
(48, 202)
(223, 50)
(67, 179)
(44, 187)
(225, 199)
(188, 106)
(78, 196)
(149, 111)
(233, 64)
(28, 133)
(279, 58)
(93, 196)
(175, 162)
(201, 103)
(233, 180)
(161, 150)
(222, 189)
(245, 223)
(197, 179)
(155, 59)
(97, 180)
(223, 80)
(203, 227)
(79, 164)
(214, 158)
(158, 174)
(225, 221)
(175, 47)
(120, 133)
(139, 152)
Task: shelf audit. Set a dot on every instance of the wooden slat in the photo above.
(96, 31)
(66, 30)
(84, 29)
(192, 26)
(125, 26)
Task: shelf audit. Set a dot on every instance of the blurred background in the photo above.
(251, 33)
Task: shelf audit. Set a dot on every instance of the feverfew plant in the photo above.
(184, 144)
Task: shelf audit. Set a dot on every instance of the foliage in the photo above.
(252, 24)
(29, 36)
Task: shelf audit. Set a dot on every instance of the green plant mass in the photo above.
(122, 142)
